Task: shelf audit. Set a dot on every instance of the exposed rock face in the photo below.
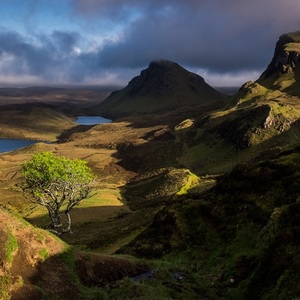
(163, 86)
(286, 55)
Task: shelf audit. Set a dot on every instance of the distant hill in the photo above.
(162, 87)
(37, 121)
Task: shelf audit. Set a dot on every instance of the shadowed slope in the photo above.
(238, 240)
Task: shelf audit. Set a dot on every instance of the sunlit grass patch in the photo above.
(184, 124)
(102, 204)
(192, 181)
(103, 197)
(11, 246)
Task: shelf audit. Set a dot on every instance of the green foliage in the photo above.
(46, 169)
(54, 181)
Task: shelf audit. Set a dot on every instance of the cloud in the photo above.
(223, 39)
(45, 56)
(233, 79)
(52, 59)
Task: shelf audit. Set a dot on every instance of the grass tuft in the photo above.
(44, 254)
(5, 285)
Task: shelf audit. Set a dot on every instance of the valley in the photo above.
(197, 189)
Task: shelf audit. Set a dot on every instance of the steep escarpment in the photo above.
(162, 87)
(286, 55)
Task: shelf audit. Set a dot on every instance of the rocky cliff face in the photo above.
(286, 56)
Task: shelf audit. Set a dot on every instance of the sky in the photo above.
(108, 42)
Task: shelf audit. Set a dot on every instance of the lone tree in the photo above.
(58, 183)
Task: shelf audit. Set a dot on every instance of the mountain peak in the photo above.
(162, 63)
(163, 86)
(166, 65)
(290, 37)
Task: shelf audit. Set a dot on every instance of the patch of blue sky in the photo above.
(27, 17)
(35, 19)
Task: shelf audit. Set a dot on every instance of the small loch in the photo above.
(91, 120)
(7, 145)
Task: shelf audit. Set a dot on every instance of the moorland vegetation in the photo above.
(196, 193)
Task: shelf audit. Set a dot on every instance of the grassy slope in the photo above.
(37, 265)
(260, 118)
(215, 244)
(24, 248)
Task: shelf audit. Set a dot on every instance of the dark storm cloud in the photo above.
(224, 36)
